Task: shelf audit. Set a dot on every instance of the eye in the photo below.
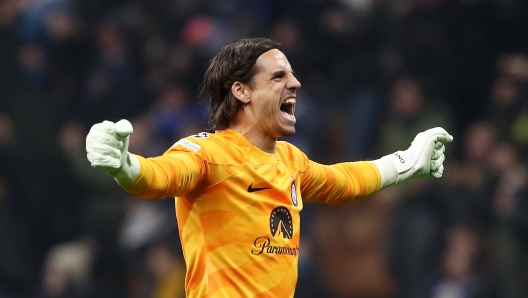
(278, 75)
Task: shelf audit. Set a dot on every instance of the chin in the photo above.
(287, 132)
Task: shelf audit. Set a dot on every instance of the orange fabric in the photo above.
(238, 208)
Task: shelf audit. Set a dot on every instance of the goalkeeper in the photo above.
(239, 191)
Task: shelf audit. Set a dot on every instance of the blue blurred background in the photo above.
(374, 73)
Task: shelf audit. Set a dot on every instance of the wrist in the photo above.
(388, 173)
(129, 171)
(396, 167)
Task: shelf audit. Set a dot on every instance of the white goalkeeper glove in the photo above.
(107, 150)
(425, 157)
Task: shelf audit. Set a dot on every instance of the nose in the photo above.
(293, 83)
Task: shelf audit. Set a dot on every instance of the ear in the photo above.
(241, 91)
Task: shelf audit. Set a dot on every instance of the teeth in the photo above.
(289, 101)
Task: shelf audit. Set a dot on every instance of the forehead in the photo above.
(273, 60)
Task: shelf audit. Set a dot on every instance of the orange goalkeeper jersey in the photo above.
(238, 208)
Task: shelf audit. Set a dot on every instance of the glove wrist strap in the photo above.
(403, 163)
(396, 167)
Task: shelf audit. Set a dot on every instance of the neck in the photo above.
(257, 137)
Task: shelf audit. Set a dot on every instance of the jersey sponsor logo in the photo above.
(281, 226)
(254, 189)
(200, 135)
(281, 222)
(189, 145)
(263, 245)
(294, 194)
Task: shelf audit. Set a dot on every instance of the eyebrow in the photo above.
(279, 73)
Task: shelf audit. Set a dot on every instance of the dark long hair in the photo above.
(235, 62)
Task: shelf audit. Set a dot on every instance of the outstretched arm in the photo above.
(350, 181)
(175, 173)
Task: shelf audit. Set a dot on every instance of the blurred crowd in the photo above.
(374, 73)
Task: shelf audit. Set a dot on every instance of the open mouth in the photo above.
(288, 107)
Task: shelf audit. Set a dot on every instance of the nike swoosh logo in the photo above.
(253, 189)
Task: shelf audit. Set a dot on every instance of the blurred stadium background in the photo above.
(374, 73)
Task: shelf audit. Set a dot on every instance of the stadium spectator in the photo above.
(459, 275)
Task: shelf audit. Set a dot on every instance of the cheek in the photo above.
(268, 100)
(273, 107)
(268, 106)
(267, 110)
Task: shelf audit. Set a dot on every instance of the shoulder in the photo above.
(197, 142)
(210, 146)
(287, 146)
(290, 153)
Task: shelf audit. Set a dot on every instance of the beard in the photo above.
(285, 131)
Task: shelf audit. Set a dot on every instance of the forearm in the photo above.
(341, 183)
(388, 173)
(165, 176)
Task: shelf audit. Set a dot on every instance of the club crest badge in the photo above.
(294, 194)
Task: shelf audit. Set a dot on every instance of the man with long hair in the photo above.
(239, 191)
